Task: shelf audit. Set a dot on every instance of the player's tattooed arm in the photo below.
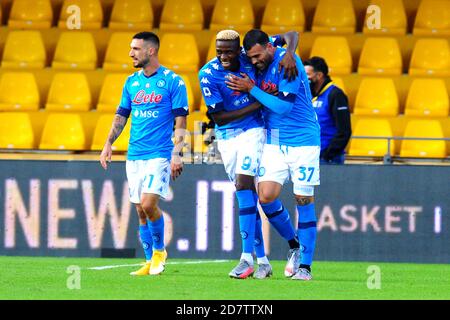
(119, 123)
(117, 128)
(223, 117)
(176, 164)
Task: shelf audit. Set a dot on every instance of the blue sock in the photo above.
(247, 219)
(307, 232)
(259, 240)
(157, 228)
(146, 239)
(279, 217)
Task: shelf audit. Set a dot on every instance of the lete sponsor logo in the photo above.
(142, 97)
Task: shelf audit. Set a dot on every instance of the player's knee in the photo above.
(142, 215)
(266, 196)
(150, 208)
(304, 200)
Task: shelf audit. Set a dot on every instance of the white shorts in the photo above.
(242, 154)
(301, 164)
(148, 176)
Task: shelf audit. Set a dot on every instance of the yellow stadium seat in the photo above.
(39, 15)
(371, 147)
(338, 82)
(111, 92)
(18, 91)
(232, 14)
(282, 16)
(377, 96)
(104, 124)
(190, 92)
(433, 18)
(69, 91)
(194, 126)
(75, 50)
(211, 49)
(178, 52)
(131, 15)
(430, 57)
(203, 107)
(380, 56)
(91, 14)
(16, 131)
(117, 53)
(178, 15)
(63, 131)
(336, 51)
(193, 121)
(334, 16)
(24, 49)
(427, 97)
(422, 148)
(392, 16)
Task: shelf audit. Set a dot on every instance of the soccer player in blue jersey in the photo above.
(292, 148)
(154, 97)
(240, 134)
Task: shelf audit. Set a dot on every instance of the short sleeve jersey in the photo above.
(153, 103)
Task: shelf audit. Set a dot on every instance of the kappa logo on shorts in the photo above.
(261, 171)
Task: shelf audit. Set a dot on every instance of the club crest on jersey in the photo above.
(161, 83)
(142, 97)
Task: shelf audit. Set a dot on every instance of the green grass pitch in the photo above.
(48, 278)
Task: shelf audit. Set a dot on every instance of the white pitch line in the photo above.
(170, 262)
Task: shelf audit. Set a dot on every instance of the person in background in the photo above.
(331, 106)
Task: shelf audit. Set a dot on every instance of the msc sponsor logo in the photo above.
(146, 114)
(142, 97)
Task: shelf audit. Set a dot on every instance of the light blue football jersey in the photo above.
(299, 127)
(153, 103)
(218, 97)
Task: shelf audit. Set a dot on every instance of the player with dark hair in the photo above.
(154, 97)
(292, 148)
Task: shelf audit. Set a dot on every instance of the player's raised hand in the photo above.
(105, 156)
(244, 84)
(289, 65)
(176, 167)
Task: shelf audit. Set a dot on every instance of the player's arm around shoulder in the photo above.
(288, 63)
